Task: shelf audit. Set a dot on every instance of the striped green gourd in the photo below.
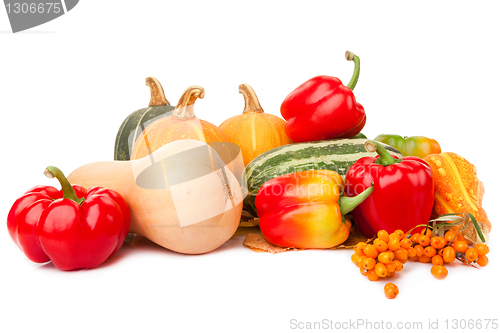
(336, 154)
(135, 123)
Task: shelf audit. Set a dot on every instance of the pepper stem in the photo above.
(68, 190)
(184, 109)
(157, 94)
(252, 104)
(354, 79)
(385, 158)
(347, 204)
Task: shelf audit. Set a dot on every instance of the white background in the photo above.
(427, 68)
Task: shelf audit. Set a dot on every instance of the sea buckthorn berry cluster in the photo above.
(384, 257)
(444, 250)
(388, 252)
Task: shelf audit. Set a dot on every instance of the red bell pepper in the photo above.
(73, 227)
(323, 108)
(403, 195)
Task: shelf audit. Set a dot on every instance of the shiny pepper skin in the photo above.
(74, 228)
(305, 209)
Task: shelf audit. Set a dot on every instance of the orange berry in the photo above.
(460, 237)
(370, 251)
(412, 252)
(438, 242)
(430, 251)
(427, 232)
(391, 274)
(399, 234)
(363, 271)
(401, 254)
(460, 246)
(449, 254)
(358, 248)
(380, 245)
(419, 249)
(354, 258)
(391, 290)
(424, 240)
(381, 270)
(471, 254)
(391, 236)
(359, 261)
(371, 275)
(383, 235)
(424, 259)
(391, 267)
(368, 263)
(437, 260)
(482, 260)
(393, 244)
(399, 265)
(414, 238)
(482, 249)
(413, 258)
(439, 272)
(405, 243)
(449, 235)
(385, 257)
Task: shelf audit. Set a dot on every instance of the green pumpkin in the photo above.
(135, 123)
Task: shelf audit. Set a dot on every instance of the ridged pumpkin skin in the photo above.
(135, 123)
(457, 187)
(181, 124)
(254, 131)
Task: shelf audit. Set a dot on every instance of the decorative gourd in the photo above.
(182, 124)
(254, 131)
(457, 187)
(135, 123)
(181, 197)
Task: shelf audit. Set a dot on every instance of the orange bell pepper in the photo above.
(306, 209)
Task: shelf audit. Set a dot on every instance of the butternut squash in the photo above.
(254, 131)
(182, 197)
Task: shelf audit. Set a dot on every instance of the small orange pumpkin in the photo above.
(181, 124)
(254, 131)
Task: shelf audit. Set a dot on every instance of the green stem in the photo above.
(385, 158)
(354, 79)
(68, 190)
(347, 204)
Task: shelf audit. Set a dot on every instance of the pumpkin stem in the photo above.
(68, 190)
(252, 104)
(352, 57)
(157, 94)
(184, 109)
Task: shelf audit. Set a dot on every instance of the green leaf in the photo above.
(478, 229)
